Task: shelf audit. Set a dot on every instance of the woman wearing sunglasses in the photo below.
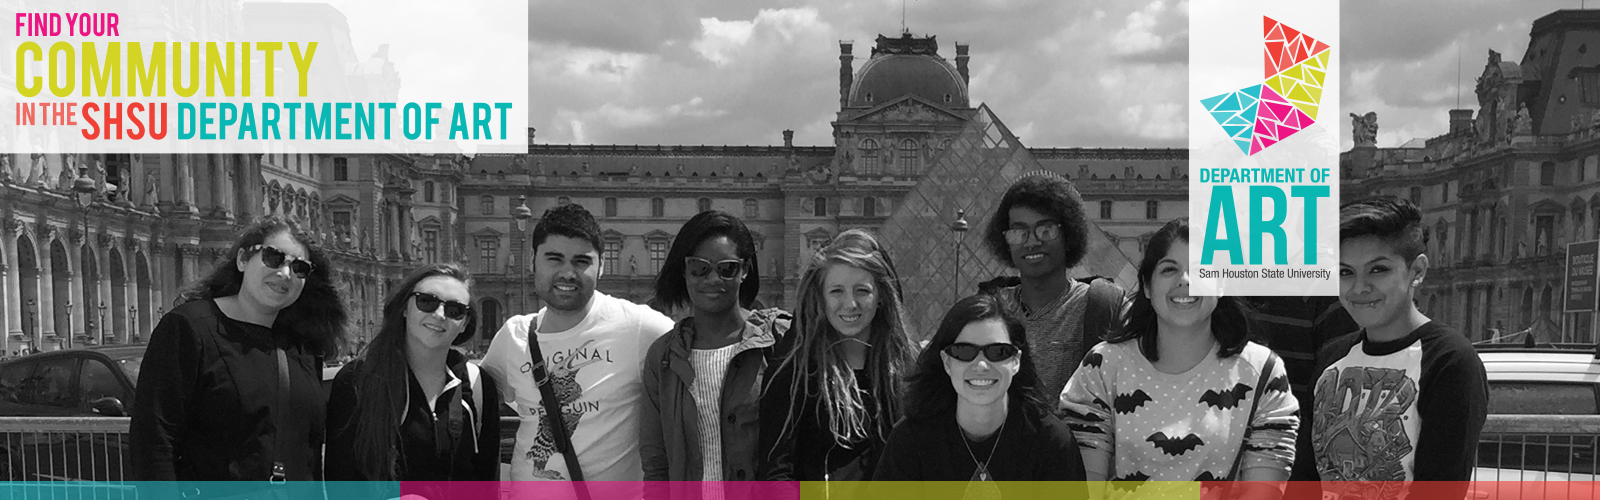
(703, 379)
(411, 408)
(231, 387)
(975, 412)
(1177, 394)
(829, 405)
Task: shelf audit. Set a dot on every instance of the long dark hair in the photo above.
(318, 315)
(930, 391)
(382, 376)
(1230, 322)
(820, 368)
(671, 290)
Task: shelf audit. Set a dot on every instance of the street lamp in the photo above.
(84, 189)
(102, 332)
(33, 322)
(133, 321)
(959, 227)
(67, 344)
(522, 214)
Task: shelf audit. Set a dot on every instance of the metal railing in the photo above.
(1512, 448)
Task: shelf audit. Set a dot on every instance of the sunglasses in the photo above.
(428, 303)
(700, 268)
(995, 352)
(1045, 231)
(275, 258)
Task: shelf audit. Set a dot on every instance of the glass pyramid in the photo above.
(972, 175)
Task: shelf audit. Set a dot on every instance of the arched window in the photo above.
(909, 159)
(869, 157)
(819, 207)
(491, 319)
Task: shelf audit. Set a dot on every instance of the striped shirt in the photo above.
(710, 371)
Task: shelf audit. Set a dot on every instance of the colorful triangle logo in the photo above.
(1295, 66)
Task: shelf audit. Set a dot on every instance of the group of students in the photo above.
(1013, 385)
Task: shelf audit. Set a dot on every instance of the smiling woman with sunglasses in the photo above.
(411, 408)
(231, 386)
(703, 379)
(975, 412)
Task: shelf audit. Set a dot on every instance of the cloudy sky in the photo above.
(1060, 73)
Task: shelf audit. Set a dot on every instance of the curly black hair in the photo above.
(1049, 194)
(318, 315)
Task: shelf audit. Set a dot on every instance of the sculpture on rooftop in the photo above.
(1364, 128)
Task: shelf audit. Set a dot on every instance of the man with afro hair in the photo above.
(1041, 231)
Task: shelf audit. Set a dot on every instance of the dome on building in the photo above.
(908, 66)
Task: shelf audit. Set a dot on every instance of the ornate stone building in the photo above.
(898, 113)
(1507, 187)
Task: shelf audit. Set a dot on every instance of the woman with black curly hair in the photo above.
(231, 385)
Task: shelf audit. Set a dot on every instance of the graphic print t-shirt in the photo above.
(1180, 427)
(1405, 410)
(595, 368)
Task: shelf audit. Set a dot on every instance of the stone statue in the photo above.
(36, 172)
(585, 168)
(680, 169)
(1364, 128)
(538, 168)
(1524, 124)
(633, 265)
(64, 181)
(633, 169)
(5, 168)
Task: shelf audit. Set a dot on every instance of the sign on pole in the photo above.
(1581, 276)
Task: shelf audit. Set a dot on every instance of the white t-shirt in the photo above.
(596, 368)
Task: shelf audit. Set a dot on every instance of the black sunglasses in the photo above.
(275, 258)
(428, 303)
(995, 352)
(699, 268)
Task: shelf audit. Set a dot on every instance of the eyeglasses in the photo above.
(700, 268)
(428, 303)
(1045, 231)
(995, 352)
(275, 258)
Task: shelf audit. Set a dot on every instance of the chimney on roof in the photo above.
(846, 71)
(961, 62)
(788, 138)
(1460, 119)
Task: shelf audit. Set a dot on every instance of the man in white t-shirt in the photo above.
(593, 347)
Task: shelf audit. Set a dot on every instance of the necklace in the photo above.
(982, 474)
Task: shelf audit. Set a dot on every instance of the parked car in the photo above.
(1540, 381)
(96, 381)
(71, 382)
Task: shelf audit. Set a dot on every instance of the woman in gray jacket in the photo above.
(703, 379)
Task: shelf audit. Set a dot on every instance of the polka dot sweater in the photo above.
(1185, 427)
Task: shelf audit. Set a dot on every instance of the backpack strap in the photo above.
(475, 381)
(1104, 308)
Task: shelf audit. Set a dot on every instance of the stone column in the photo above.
(185, 177)
(13, 280)
(47, 304)
(75, 284)
(102, 259)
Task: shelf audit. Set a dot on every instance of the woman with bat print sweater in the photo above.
(1178, 393)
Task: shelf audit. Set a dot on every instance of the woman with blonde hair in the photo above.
(830, 404)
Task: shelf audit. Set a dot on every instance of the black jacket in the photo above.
(472, 455)
(206, 395)
(809, 451)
